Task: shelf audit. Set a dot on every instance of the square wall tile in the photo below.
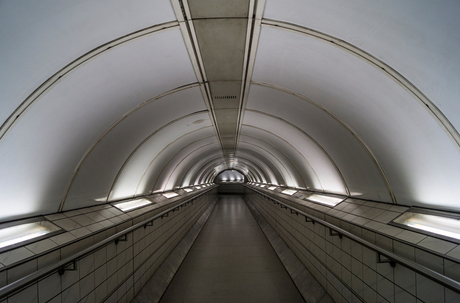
(28, 295)
(429, 291)
(429, 260)
(49, 287)
(437, 245)
(20, 271)
(402, 296)
(41, 246)
(15, 255)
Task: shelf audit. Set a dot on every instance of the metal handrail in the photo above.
(61, 265)
(431, 274)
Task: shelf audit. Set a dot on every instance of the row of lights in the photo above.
(13, 234)
(432, 222)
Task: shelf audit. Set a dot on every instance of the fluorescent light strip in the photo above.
(262, 185)
(439, 225)
(23, 232)
(323, 199)
(188, 189)
(170, 195)
(289, 192)
(272, 188)
(133, 204)
(198, 187)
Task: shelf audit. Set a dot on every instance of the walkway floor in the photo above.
(231, 261)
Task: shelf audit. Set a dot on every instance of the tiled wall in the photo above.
(115, 272)
(349, 271)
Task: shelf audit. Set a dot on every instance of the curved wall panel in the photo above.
(419, 158)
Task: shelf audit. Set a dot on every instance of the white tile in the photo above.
(28, 295)
(83, 220)
(357, 285)
(49, 258)
(372, 213)
(402, 296)
(2, 278)
(80, 232)
(41, 246)
(384, 242)
(86, 285)
(429, 260)
(370, 277)
(399, 209)
(370, 258)
(101, 292)
(67, 224)
(69, 278)
(63, 238)
(100, 257)
(429, 291)
(22, 270)
(15, 255)
(369, 294)
(86, 265)
(455, 253)
(385, 288)
(437, 245)
(71, 294)
(49, 287)
(349, 217)
(360, 221)
(383, 205)
(452, 270)
(54, 217)
(359, 211)
(386, 216)
(95, 227)
(405, 250)
(451, 296)
(72, 213)
(90, 298)
(100, 275)
(95, 216)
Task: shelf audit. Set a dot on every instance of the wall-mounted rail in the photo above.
(384, 256)
(69, 262)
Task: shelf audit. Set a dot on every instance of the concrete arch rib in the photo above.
(321, 152)
(343, 124)
(288, 171)
(112, 127)
(198, 147)
(134, 165)
(424, 101)
(263, 162)
(308, 174)
(215, 162)
(202, 171)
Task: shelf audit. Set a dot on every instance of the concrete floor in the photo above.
(231, 261)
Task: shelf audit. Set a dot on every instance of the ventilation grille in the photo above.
(224, 97)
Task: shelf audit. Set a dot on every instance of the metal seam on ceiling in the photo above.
(52, 81)
(423, 100)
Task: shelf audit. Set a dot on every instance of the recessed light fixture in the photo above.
(262, 185)
(130, 205)
(323, 199)
(444, 226)
(289, 192)
(170, 195)
(272, 188)
(27, 231)
(188, 189)
(198, 187)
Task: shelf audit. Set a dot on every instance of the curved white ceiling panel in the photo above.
(329, 178)
(41, 151)
(421, 161)
(163, 172)
(213, 156)
(362, 175)
(38, 38)
(419, 38)
(98, 171)
(230, 176)
(292, 157)
(282, 164)
(127, 182)
(269, 168)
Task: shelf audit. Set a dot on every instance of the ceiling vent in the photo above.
(224, 97)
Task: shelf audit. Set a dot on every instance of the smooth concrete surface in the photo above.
(231, 261)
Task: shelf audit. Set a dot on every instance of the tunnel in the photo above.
(287, 150)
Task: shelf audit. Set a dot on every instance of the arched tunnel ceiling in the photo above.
(107, 100)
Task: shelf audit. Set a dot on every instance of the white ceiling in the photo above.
(108, 100)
